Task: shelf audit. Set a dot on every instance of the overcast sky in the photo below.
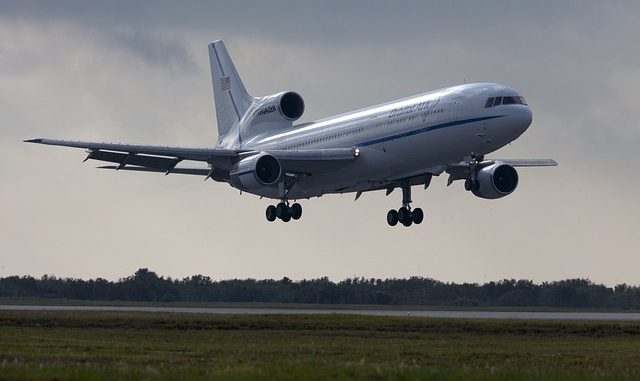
(139, 73)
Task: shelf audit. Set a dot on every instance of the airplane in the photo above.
(399, 144)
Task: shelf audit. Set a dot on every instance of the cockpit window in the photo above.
(496, 101)
(489, 102)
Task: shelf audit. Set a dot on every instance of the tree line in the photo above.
(146, 285)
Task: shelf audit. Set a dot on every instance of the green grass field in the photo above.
(108, 346)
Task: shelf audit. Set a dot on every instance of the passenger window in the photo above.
(489, 103)
(498, 101)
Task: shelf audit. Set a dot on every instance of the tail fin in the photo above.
(232, 99)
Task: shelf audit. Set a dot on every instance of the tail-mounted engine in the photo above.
(257, 171)
(285, 106)
(493, 181)
(274, 112)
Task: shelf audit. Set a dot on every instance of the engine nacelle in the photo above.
(287, 105)
(273, 112)
(496, 180)
(257, 171)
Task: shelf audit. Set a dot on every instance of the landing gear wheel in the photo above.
(281, 210)
(404, 216)
(392, 218)
(286, 217)
(271, 213)
(417, 216)
(296, 211)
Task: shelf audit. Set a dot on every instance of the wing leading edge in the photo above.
(529, 162)
(196, 154)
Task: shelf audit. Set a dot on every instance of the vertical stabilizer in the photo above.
(231, 98)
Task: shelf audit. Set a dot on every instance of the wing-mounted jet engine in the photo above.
(274, 112)
(257, 171)
(493, 181)
(488, 179)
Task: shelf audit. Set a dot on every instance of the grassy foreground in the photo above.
(108, 346)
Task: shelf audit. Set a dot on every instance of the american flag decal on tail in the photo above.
(225, 83)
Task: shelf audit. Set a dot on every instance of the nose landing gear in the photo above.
(471, 184)
(405, 215)
(284, 212)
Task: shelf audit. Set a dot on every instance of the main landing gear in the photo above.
(405, 215)
(284, 212)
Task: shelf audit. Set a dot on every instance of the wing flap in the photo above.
(182, 171)
(156, 162)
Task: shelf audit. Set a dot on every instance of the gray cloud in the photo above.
(139, 72)
(154, 49)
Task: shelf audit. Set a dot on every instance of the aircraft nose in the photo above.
(523, 117)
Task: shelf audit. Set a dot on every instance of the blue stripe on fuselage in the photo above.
(427, 129)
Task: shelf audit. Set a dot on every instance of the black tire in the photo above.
(286, 217)
(476, 185)
(404, 216)
(281, 210)
(296, 211)
(271, 213)
(392, 217)
(417, 216)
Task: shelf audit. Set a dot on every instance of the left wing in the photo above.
(157, 157)
(164, 159)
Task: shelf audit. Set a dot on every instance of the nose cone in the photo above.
(522, 119)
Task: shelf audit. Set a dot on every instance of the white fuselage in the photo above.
(409, 137)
